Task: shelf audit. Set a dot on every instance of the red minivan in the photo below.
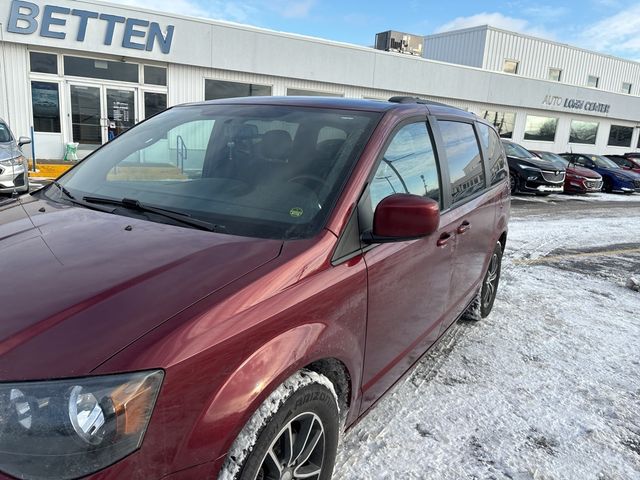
(221, 290)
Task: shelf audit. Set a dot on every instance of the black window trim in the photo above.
(443, 154)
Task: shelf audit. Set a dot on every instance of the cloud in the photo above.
(497, 20)
(618, 33)
(247, 11)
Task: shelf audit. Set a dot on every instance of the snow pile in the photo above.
(546, 388)
(634, 284)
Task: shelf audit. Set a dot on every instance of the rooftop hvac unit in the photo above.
(400, 42)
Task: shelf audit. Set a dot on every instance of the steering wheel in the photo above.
(305, 177)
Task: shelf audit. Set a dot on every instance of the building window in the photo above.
(510, 66)
(583, 132)
(297, 92)
(466, 170)
(626, 87)
(216, 89)
(408, 166)
(503, 121)
(542, 129)
(154, 103)
(46, 107)
(620, 136)
(593, 81)
(101, 69)
(555, 74)
(43, 62)
(155, 75)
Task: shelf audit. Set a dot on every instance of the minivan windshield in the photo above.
(264, 171)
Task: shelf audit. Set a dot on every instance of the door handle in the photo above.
(464, 226)
(443, 240)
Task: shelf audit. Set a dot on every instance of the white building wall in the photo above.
(464, 47)
(15, 91)
(536, 56)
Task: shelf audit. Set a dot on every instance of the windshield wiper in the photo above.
(81, 203)
(133, 204)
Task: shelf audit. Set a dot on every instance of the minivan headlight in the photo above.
(65, 429)
(12, 162)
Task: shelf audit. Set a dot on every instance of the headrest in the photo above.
(276, 145)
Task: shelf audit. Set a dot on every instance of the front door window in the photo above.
(86, 116)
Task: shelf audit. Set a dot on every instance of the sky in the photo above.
(608, 26)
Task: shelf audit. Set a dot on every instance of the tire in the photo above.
(607, 185)
(304, 407)
(513, 183)
(491, 281)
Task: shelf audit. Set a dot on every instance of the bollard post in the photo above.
(33, 150)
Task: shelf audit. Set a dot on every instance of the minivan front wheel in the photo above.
(491, 281)
(293, 435)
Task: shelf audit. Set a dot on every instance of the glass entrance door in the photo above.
(86, 115)
(99, 114)
(120, 111)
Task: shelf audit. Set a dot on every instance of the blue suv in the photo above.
(614, 178)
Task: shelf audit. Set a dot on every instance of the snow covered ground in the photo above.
(546, 388)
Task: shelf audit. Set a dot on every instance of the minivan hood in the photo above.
(79, 285)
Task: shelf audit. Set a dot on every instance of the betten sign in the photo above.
(576, 104)
(25, 18)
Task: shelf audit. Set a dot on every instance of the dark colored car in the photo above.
(530, 173)
(626, 162)
(223, 287)
(614, 178)
(578, 179)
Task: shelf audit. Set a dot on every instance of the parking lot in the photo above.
(547, 386)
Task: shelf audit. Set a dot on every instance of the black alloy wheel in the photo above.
(491, 281)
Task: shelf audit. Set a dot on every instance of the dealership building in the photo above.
(84, 71)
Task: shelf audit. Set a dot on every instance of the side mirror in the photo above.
(23, 141)
(402, 217)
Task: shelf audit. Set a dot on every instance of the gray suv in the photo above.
(14, 168)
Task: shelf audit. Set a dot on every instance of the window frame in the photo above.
(555, 133)
(560, 72)
(512, 60)
(204, 87)
(574, 142)
(589, 77)
(442, 157)
(609, 144)
(59, 86)
(365, 212)
(626, 91)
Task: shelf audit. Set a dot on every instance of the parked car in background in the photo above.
(578, 179)
(626, 162)
(14, 167)
(530, 173)
(614, 178)
(228, 323)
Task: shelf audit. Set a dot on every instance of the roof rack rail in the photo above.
(420, 101)
(400, 99)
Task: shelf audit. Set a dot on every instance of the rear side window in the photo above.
(464, 160)
(408, 166)
(495, 153)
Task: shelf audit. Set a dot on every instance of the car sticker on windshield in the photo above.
(296, 212)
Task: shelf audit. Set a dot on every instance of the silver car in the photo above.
(14, 168)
